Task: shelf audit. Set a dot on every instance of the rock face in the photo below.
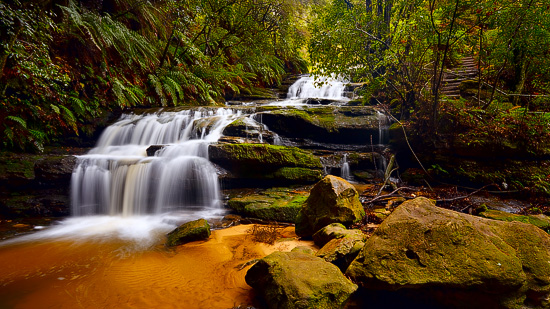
(335, 231)
(458, 259)
(249, 163)
(188, 232)
(332, 200)
(328, 124)
(275, 204)
(299, 280)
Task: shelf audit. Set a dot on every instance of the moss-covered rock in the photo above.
(339, 245)
(341, 251)
(470, 261)
(188, 232)
(334, 124)
(276, 204)
(540, 221)
(281, 164)
(298, 280)
(332, 200)
(335, 231)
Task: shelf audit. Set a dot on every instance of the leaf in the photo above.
(19, 120)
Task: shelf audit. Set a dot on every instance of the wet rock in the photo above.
(298, 280)
(275, 204)
(332, 200)
(456, 259)
(540, 221)
(152, 150)
(188, 232)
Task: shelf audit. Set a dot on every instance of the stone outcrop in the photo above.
(332, 200)
(248, 163)
(540, 221)
(457, 259)
(327, 124)
(335, 231)
(299, 280)
(188, 232)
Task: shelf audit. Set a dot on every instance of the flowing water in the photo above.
(147, 174)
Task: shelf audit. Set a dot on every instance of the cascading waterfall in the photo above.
(322, 87)
(118, 178)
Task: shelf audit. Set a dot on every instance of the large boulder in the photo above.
(299, 280)
(188, 232)
(332, 200)
(275, 204)
(335, 231)
(540, 221)
(457, 259)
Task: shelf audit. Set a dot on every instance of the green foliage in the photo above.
(61, 65)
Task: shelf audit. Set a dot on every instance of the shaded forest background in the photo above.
(64, 63)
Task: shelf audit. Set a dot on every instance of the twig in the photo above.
(466, 196)
(389, 195)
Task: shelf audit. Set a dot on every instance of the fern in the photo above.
(19, 120)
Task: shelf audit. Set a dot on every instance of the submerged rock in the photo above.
(276, 204)
(332, 200)
(457, 259)
(188, 232)
(299, 280)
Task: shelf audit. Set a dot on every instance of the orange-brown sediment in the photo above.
(62, 274)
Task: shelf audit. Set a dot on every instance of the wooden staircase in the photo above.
(453, 77)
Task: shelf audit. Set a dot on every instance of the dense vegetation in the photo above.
(63, 62)
(402, 50)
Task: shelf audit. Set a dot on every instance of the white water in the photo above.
(117, 177)
(307, 87)
(345, 170)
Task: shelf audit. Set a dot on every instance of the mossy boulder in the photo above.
(335, 231)
(188, 232)
(540, 221)
(332, 124)
(276, 204)
(299, 280)
(332, 200)
(341, 251)
(279, 164)
(339, 245)
(456, 259)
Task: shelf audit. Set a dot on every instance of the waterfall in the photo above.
(383, 128)
(344, 170)
(118, 178)
(320, 88)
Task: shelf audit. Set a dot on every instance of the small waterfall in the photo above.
(117, 177)
(383, 128)
(308, 87)
(344, 170)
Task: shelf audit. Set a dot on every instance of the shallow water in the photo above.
(119, 272)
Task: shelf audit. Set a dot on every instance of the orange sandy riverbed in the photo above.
(67, 274)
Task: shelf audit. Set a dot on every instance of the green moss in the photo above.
(299, 174)
(264, 155)
(274, 205)
(187, 232)
(540, 221)
(20, 166)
